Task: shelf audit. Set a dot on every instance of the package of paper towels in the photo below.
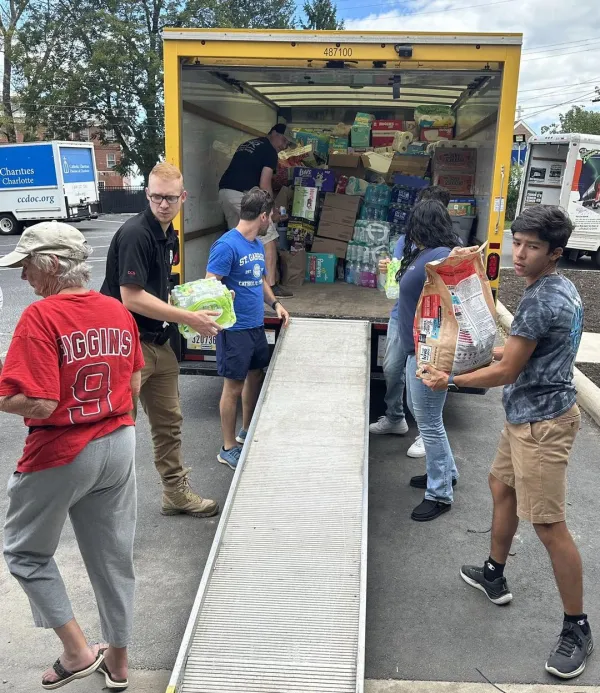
(401, 141)
(204, 294)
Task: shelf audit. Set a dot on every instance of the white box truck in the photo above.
(46, 180)
(564, 170)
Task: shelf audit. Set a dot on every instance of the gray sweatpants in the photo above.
(98, 491)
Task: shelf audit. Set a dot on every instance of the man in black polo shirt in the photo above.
(253, 165)
(138, 266)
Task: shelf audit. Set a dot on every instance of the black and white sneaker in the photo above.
(569, 656)
(495, 590)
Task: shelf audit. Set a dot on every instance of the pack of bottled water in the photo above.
(205, 294)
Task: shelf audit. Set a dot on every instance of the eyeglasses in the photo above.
(171, 199)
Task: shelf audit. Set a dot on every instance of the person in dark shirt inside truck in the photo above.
(253, 165)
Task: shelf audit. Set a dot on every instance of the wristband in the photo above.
(274, 304)
(451, 386)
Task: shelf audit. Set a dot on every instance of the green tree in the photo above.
(105, 68)
(43, 59)
(514, 185)
(321, 15)
(12, 15)
(256, 14)
(576, 119)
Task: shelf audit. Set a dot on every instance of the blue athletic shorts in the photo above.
(241, 351)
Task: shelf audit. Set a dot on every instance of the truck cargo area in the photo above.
(225, 105)
(222, 107)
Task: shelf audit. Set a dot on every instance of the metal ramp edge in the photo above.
(315, 643)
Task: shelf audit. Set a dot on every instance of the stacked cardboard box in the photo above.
(454, 167)
(336, 226)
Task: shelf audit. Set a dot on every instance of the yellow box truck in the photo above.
(223, 87)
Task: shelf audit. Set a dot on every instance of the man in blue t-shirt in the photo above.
(528, 476)
(238, 259)
(395, 357)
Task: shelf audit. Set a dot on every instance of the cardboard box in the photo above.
(410, 165)
(360, 135)
(377, 162)
(334, 230)
(436, 134)
(388, 125)
(456, 183)
(346, 165)
(319, 178)
(454, 160)
(305, 202)
(360, 150)
(338, 216)
(328, 245)
(344, 161)
(320, 268)
(347, 203)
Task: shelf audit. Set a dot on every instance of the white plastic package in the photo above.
(205, 294)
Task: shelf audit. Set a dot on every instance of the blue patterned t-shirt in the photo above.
(550, 313)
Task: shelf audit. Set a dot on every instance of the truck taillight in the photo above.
(493, 266)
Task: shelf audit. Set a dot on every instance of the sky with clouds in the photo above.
(561, 44)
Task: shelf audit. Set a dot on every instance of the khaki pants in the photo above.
(160, 400)
(231, 201)
(532, 459)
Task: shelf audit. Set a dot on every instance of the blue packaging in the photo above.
(398, 214)
(320, 178)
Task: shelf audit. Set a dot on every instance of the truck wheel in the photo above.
(9, 225)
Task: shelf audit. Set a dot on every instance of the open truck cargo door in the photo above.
(225, 87)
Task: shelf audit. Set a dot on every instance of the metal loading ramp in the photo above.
(281, 604)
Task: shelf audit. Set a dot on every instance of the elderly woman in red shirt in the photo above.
(71, 370)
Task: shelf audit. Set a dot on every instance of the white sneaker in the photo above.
(384, 426)
(417, 449)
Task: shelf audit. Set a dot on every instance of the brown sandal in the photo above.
(109, 680)
(66, 676)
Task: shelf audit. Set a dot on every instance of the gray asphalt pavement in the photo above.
(423, 622)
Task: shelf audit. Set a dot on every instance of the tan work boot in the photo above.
(182, 500)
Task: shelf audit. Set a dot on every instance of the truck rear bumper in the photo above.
(82, 212)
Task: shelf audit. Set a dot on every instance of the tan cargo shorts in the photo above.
(231, 201)
(532, 458)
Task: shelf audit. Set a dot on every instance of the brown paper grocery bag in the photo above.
(455, 322)
(293, 267)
